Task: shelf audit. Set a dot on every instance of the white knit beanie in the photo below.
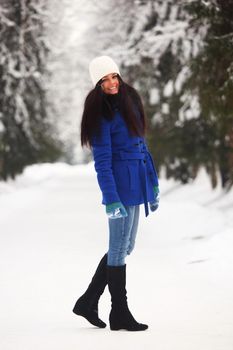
(101, 66)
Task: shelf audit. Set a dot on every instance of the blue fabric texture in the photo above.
(124, 166)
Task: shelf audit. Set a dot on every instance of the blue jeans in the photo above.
(122, 235)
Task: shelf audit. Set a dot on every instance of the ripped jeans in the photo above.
(122, 235)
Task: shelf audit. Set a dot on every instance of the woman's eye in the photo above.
(113, 77)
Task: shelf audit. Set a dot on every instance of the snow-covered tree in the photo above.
(26, 134)
(212, 81)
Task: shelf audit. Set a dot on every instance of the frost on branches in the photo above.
(26, 135)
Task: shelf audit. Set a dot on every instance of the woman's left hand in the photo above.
(155, 203)
(116, 210)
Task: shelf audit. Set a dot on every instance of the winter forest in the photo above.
(178, 56)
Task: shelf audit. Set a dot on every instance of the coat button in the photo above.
(144, 161)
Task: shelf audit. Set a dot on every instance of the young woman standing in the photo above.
(113, 126)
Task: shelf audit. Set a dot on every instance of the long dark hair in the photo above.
(97, 106)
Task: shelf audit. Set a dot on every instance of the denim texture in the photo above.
(122, 236)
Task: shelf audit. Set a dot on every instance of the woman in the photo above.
(113, 126)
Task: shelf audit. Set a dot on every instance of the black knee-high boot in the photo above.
(87, 304)
(120, 317)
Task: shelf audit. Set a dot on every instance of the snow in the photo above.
(157, 118)
(165, 108)
(168, 89)
(181, 78)
(154, 96)
(54, 231)
(2, 128)
(190, 109)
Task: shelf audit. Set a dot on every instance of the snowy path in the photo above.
(53, 232)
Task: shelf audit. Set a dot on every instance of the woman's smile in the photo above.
(113, 89)
(107, 86)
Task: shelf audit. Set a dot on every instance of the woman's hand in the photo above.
(155, 203)
(116, 210)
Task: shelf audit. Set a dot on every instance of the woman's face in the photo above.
(110, 83)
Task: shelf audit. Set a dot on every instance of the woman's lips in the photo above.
(113, 88)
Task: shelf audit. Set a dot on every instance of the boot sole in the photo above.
(118, 328)
(98, 323)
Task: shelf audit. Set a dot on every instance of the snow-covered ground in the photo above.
(54, 231)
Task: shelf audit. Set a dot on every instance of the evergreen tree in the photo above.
(26, 135)
(212, 79)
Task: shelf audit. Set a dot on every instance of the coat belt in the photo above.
(123, 155)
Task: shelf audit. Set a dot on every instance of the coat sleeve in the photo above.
(150, 166)
(102, 154)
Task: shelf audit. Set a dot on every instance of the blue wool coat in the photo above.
(124, 166)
